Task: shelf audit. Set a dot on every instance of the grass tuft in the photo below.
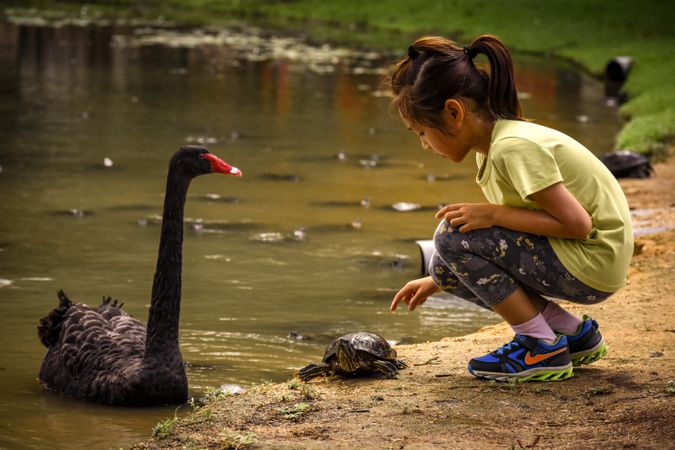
(235, 440)
(295, 411)
(670, 388)
(164, 428)
(601, 390)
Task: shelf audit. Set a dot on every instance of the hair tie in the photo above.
(470, 52)
(412, 53)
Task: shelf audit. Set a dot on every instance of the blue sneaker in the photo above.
(525, 359)
(587, 345)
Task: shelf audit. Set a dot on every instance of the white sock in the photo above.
(560, 320)
(537, 327)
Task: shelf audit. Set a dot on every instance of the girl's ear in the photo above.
(453, 114)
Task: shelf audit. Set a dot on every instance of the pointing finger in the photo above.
(394, 304)
(400, 295)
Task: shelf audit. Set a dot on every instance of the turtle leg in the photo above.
(399, 364)
(346, 356)
(386, 368)
(313, 371)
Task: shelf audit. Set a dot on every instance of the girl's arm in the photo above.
(561, 216)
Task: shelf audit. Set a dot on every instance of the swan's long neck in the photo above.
(162, 334)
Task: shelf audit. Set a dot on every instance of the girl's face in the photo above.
(449, 146)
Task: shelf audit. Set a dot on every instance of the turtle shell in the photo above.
(370, 343)
(624, 163)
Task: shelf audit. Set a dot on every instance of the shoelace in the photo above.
(509, 346)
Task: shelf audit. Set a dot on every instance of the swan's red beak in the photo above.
(220, 166)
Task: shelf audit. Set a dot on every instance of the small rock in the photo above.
(297, 336)
(406, 206)
(231, 389)
(270, 237)
(368, 163)
(300, 234)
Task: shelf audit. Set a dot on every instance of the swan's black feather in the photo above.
(49, 328)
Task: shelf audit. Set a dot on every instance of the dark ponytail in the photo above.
(436, 69)
(504, 101)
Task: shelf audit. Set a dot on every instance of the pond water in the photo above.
(308, 241)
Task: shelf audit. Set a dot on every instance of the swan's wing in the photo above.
(128, 333)
(91, 343)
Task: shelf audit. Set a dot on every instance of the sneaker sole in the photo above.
(536, 374)
(591, 355)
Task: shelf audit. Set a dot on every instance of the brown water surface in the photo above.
(307, 241)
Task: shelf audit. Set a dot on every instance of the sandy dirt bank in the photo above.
(626, 400)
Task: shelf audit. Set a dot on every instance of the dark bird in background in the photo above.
(104, 355)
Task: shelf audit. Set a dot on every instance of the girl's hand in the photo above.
(561, 215)
(414, 293)
(469, 216)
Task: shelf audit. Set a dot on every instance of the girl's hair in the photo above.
(436, 69)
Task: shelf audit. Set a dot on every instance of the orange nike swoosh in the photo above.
(530, 359)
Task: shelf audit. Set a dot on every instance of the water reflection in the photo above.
(307, 242)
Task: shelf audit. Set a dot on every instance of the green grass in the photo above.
(295, 411)
(588, 33)
(235, 440)
(164, 428)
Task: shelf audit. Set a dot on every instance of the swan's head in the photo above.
(193, 160)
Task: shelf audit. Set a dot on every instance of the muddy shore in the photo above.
(626, 400)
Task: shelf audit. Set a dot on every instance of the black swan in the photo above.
(106, 356)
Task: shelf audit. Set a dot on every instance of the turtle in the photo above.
(627, 164)
(355, 353)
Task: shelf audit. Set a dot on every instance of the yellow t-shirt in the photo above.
(525, 158)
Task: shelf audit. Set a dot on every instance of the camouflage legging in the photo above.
(486, 266)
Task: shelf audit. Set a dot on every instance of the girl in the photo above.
(556, 223)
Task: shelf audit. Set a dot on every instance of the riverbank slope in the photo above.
(625, 400)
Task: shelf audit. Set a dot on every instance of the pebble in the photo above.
(406, 206)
